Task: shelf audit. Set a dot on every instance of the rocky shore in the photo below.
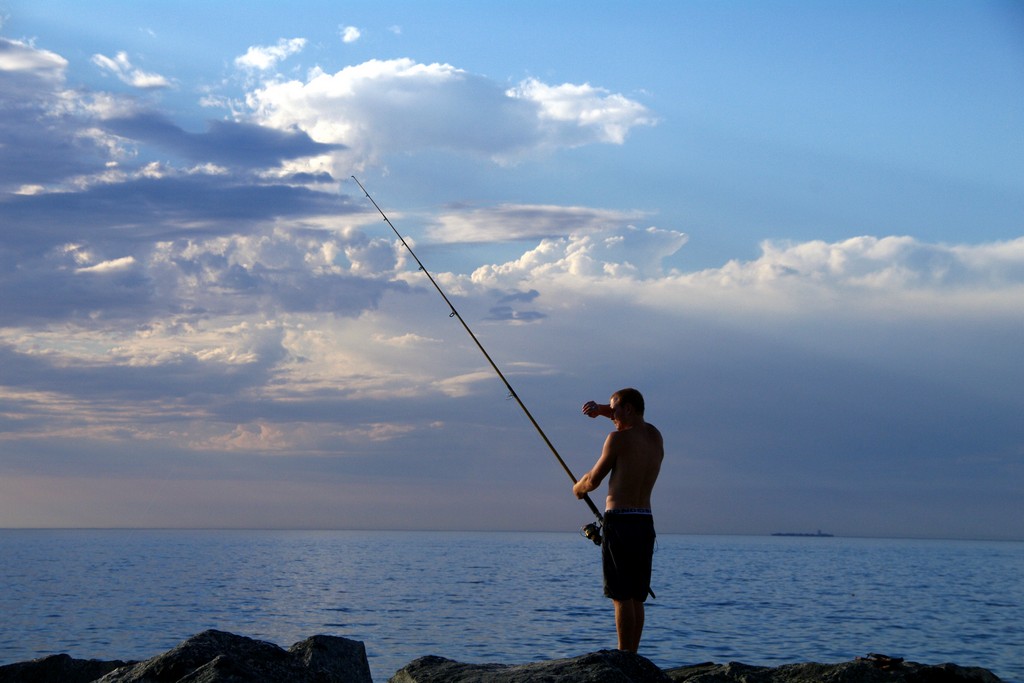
(219, 657)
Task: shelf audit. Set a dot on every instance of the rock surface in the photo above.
(219, 657)
(613, 666)
(873, 669)
(606, 666)
(57, 669)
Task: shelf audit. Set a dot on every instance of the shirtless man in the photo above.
(632, 454)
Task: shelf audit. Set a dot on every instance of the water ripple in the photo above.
(510, 597)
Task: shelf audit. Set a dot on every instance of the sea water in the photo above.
(511, 597)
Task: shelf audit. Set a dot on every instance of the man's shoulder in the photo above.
(642, 432)
(618, 439)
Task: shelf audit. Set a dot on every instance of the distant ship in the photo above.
(819, 534)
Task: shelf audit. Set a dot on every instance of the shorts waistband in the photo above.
(628, 511)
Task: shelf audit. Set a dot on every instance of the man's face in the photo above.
(618, 411)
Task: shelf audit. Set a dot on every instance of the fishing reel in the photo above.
(592, 531)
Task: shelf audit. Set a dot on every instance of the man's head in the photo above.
(630, 397)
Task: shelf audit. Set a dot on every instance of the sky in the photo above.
(797, 227)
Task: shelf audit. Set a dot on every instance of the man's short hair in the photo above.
(631, 397)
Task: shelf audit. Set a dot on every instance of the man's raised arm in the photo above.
(595, 409)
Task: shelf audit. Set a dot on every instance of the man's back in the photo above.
(637, 455)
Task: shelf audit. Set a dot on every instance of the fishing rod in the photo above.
(591, 531)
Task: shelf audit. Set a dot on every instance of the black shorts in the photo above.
(626, 554)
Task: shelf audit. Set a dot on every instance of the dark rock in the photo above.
(870, 670)
(219, 657)
(57, 669)
(345, 659)
(606, 666)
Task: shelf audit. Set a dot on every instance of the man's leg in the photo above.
(629, 623)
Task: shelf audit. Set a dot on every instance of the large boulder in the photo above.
(57, 669)
(872, 669)
(344, 659)
(219, 657)
(606, 666)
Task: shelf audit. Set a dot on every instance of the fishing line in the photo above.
(591, 531)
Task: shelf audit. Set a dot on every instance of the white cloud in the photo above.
(507, 222)
(350, 34)
(266, 57)
(892, 263)
(464, 384)
(250, 438)
(407, 339)
(863, 278)
(582, 112)
(609, 254)
(385, 107)
(297, 438)
(18, 56)
(122, 67)
(112, 266)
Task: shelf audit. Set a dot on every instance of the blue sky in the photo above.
(795, 226)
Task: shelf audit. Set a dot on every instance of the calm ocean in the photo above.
(511, 597)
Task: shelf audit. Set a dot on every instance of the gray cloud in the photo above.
(142, 210)
(184, 276)
(39, 129)
(37, 292)
(506, 308)
(225, 142)
(510, 314)
(184, 377)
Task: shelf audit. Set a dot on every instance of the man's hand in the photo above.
(582, 487)
(595, 409)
